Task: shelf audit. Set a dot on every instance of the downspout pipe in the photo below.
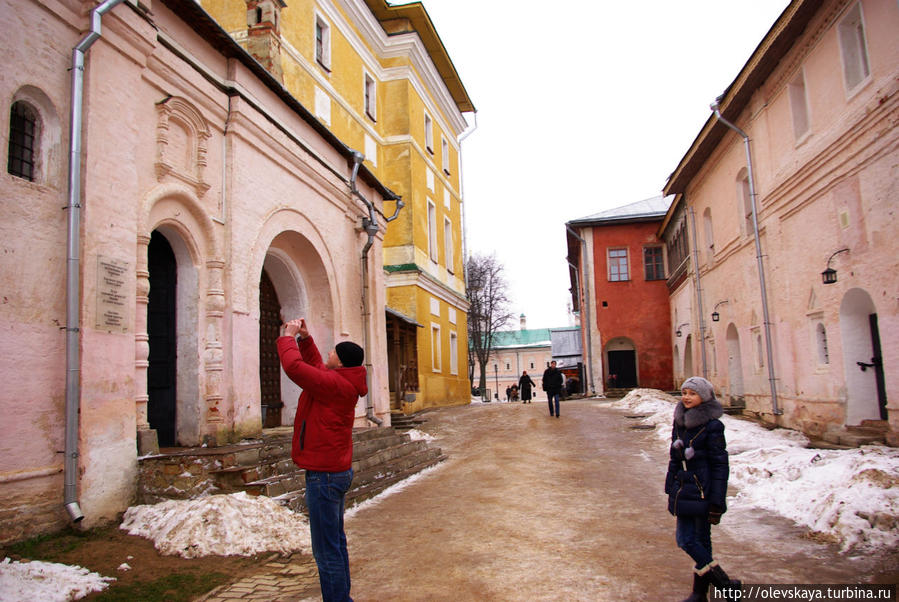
(758, 253)
(705, 367)
(586, 306)
(370, 225)
(73, 264)
(468, 132)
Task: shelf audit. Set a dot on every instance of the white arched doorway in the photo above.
(862, 360)
(734, 367)
(295, 271)
(688, 356)
(174, 401)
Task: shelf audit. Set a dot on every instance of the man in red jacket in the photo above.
(323, 444)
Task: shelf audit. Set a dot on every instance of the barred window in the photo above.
(22, 139)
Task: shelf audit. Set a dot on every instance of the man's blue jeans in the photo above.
(325, 495)
(694, 536)
(550, 396)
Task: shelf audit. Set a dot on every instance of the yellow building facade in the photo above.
(379, 79)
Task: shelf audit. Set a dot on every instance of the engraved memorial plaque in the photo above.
(112, 298)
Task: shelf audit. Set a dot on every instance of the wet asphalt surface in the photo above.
(529, 507)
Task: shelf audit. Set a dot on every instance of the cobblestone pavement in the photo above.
(283, 579)
(529, 507)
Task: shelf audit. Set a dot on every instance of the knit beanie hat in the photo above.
(700, 385)
(350, 354)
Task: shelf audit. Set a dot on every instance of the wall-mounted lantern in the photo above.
(677, 331)
(715, 315)
(829, 275)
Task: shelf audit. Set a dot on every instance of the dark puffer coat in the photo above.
(698, 484)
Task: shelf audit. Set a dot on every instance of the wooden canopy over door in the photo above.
(402, 357)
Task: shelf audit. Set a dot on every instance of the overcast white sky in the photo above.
(583, 106)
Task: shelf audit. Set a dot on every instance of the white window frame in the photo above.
(609, 256)
(429, 134)
(454, 352)
(448, 244)
(370, 95)
(432, 231)
(436, 361)
(799, 110)
(854, 49)
(444, 155)
(322, 51)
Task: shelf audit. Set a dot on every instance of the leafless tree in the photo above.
(488, 311)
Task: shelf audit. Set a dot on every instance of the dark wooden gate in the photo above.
(269, 364)
(161, 328)
(623, 364)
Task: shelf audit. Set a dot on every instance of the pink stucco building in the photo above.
(818, 104)
(211, 203)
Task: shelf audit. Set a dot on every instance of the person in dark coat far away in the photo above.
(696, 483)
(552, 384)
(323, 444)
(524, 385)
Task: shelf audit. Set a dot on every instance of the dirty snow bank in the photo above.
(47, 581)
(221, 525)
(849, 496)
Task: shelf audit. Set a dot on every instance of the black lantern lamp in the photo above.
(715, 315)
(829, 275)
(677, 331)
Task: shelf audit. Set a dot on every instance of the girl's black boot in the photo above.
(700, 589)
(730, 587)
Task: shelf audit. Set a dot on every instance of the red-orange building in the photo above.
(618, 260)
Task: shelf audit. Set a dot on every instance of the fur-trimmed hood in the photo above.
(701, 414)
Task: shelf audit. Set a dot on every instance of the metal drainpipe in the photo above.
(586, 307)
(370, 225)
(705, 369)
(758, 253)
(468, 132)
(73, 264)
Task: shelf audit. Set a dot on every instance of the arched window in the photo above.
(745, 198)
(709, 234)
(24, 134)
(821, 340)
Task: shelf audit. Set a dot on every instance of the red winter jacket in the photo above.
(323, 426)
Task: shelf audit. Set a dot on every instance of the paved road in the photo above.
(529, 507)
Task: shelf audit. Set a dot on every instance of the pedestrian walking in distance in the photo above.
(696, 482)
(524, 385)
(552, 384)
(323, 444)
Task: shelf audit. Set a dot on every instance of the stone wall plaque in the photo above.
(112, 297)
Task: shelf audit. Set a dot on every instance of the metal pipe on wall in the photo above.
(758, 253)
(705, 368)
(73, 264)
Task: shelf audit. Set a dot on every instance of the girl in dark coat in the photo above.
(696, 482)
(524, 385)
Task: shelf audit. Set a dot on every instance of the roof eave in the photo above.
(773, 47)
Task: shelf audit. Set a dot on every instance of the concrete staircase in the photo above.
(381, 457)
(868, 432)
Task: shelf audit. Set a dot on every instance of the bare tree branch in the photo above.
(488, 311)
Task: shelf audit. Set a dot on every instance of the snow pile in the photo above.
(417, 435)
(47, 581)
(220, 525)
(849, 496)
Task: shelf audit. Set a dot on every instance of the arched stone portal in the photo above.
(301, 288)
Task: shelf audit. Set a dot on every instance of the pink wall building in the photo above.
(818, 104)
(211, 203)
